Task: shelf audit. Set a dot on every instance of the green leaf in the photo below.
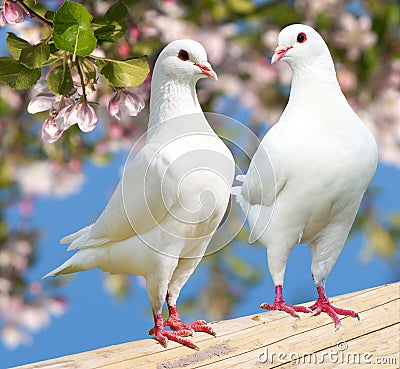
(72, 30)
(60, 80)
(15, 45)
(117, 12)
(37, 7)
(35, 56)
(108, 31)
(16, 75)
(51, 60)
(124, 73)
(113, 25)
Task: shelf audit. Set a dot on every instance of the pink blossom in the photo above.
(125, 101)
(113, 104)
(312, 8)
(26, 207)
(3, 20)
(86, 116)
(66, 117)
(13, 12)
(50, 131)
(81, 113)
(46, 178)
(5, 286)
(347, 79)
(42, 102)
(11, 97)
(34, 317)
(35, 288)
(355, 35)
(56, 305)
(134, 33)
(12, 336)
(269, 39)
(75, 165)
(116, 131)
(124, 49)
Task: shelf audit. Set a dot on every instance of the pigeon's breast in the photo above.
(204, 170)
(327, 171)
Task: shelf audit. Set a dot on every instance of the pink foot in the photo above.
(174, 321)
(163, 335)
(280, 304)
(322, 305)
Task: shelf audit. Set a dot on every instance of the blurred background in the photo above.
(50, 190)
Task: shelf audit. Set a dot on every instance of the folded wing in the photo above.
(138, 204)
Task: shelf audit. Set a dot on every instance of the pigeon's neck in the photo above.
(315, 83)
(170, 98)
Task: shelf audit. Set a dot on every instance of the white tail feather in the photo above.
(83, 260)
(73, 236)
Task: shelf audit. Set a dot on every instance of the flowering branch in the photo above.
(33, 15)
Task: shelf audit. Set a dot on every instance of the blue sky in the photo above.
(94, 319)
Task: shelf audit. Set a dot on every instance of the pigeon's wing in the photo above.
(263, 182)
(141, 200)
(265, 177)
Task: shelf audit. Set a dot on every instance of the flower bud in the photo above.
(86, 117)
(41, 102)
(13, 12)
(134, 103)
(50, 131)
(113, 105)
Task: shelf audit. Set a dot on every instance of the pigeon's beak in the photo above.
(280, 52)
(206, 69)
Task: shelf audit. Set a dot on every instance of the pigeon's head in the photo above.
(184, 60)
(299, 44)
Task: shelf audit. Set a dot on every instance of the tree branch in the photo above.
(33, 15)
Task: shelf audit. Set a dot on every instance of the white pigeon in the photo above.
(171, 199)
(308, 176)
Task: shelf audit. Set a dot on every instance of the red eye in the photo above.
(301, 37)
(183, 55)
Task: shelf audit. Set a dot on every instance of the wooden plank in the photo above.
(240, 341)
(287, 340)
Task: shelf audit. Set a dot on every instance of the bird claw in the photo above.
(324, 306)
(203, 327)
(163, 336)
(197, 326)
(185, 332)
(280, 304)
(283, 306)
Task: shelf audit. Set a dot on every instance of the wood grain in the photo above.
(269, 340)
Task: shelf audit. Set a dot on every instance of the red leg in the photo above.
(322, 305)
(163, 335)
(174, 321)
(280, 304)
